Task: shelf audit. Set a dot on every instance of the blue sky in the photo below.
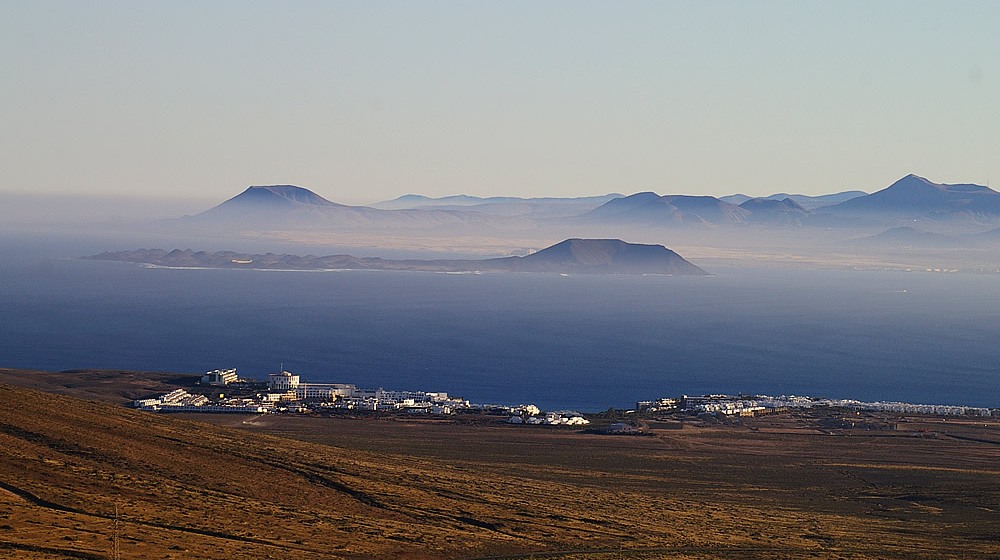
(365, 101)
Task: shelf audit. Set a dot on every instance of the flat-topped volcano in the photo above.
(274, 202)
(605, 256)
(582, 256)
(278, 196)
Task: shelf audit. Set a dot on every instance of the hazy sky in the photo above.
(364, 101)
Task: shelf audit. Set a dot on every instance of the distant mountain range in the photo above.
(912, 198)
(808, 203)
(577, 256)
(411, 201)
(651, 208)
(547, 207)
(909, 198)
(291, 207)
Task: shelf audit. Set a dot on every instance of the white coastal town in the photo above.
(224, 391)
(744, 405)
(285, 392)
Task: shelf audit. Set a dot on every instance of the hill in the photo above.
(270, 202)
(605, 256)
(905, 236)
(277, 196)
(110, 386)
(766, 210)
(916, 197)
(352, 488)
(808, 203)
(652, 209)
(190, 490)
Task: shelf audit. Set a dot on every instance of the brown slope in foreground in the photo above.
(107, 385)
(349, 488)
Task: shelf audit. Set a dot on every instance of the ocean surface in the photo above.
(561, 342)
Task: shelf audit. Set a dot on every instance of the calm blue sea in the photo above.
(583, 342)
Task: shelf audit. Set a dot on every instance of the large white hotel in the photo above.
(287, 383)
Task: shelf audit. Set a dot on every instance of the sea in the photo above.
(577, 342)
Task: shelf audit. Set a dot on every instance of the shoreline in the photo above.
(786, 400)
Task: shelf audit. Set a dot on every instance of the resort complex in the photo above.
(224, 391)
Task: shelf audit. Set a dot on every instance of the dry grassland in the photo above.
(315, 487)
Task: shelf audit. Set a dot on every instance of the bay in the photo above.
(561, 342)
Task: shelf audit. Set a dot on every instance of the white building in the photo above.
(324, 391)
(286, 381)
(281, 382)
(173, 400)
(220, 377)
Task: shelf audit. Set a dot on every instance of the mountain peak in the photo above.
(259, 200)
(280, 194)
(912, 181)
(916, 182)
(914, 196)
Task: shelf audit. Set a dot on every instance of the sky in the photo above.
(366, 101)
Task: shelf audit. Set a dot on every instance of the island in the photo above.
(577, 256)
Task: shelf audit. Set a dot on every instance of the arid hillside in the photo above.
(318, 487)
